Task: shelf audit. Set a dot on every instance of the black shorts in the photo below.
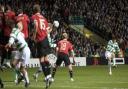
(43, 48)
(4, 40)
(5, 54)
(62, 57)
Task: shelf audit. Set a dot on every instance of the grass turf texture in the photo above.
(90, 77)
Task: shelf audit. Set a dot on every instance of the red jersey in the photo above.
(41, 25)
(8, 15)
(23, 18)
(64, 46)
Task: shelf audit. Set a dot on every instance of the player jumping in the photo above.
(52, 45)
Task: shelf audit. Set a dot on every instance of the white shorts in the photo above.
(15, 54)
(25, 56)
(108, 54)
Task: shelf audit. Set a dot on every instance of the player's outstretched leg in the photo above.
(46, 67)
(19, 76)
(25, 75)
(36, 74)
(109, 66)
(114, 63)
(53, 73)
(48, 72)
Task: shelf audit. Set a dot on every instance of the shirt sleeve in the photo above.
(70, 46)
(109, 43)
(117, 47)
(50, 41)
(12, 38)
(13, 35)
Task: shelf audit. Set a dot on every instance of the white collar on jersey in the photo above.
(20, 14)
(37, 13)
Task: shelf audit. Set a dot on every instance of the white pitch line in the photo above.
(74, 87)
(82, 82)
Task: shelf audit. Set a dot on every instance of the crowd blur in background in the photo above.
(101, 17)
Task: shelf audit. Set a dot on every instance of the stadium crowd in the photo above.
(102, 17)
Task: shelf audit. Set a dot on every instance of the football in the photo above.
(56, 24)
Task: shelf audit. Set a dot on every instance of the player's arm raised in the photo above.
(11, 41)
(20, 25)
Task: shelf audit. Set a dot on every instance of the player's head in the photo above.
(20, 11)
(36, 8)
(65, 35)
(50, 27)
(113, 37)
(8, 7)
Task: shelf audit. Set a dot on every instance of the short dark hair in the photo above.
(20, 11)
(36, 8)
(114, 37)
(8, 7)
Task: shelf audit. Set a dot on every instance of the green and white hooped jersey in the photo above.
(17, 37)
(50, 41)
(112, 47)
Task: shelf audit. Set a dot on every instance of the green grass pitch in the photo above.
(90, 77)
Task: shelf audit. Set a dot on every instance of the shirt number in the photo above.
(41, 24)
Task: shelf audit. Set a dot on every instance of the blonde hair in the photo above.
(65, 35)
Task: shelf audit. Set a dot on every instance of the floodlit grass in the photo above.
(90, 77)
